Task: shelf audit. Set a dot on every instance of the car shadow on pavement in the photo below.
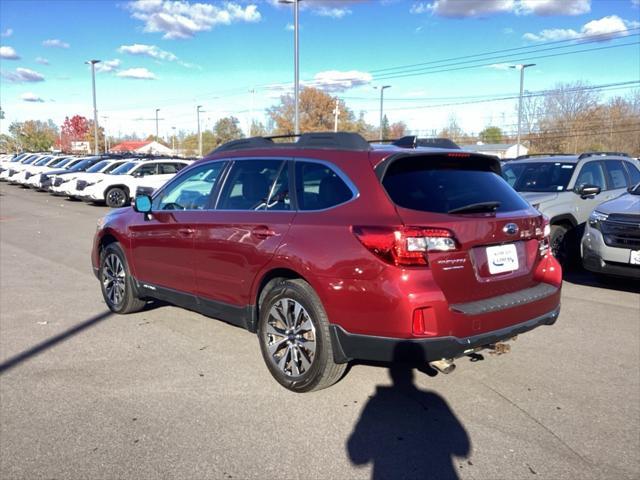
(25, 355)
(580, 276)
(405, 432)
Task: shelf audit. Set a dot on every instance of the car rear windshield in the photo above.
(444, 186)
(538, 176)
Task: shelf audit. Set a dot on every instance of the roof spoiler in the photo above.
(413, 141)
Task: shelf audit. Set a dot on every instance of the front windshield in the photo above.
(41, 162)
(112, 167)
(30, 160)
(98, 166)
(538, 176)
(72, 163)
(123, 169)
(61, 162)
(635, 190)
(83, 165)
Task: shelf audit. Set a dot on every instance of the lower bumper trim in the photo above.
(349, 346)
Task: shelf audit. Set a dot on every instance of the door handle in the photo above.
(186, 232)
(262, 232)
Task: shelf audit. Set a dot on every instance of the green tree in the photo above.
(227, 129)
(491, 135)
(34, 135)
(257, 129)
(385, 128)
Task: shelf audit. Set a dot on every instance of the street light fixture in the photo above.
(381, 106)
(521, 67)
(95, 109)
(199, 132)
(157, 110)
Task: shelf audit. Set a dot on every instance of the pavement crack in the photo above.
(547, 429)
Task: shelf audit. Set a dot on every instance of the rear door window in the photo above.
(616, 174)
(442, 186)
(319, 187)
(634, 173)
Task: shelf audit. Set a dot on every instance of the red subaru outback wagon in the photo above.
(332, 251)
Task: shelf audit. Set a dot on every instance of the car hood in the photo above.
(626, 203)
(536, 198)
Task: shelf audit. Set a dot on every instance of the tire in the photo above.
(116, 282)
(287, 349)
(558, 241)
(116, 197)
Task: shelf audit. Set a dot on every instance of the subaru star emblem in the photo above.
(510, 229)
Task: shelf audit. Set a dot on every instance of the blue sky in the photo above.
(176, 55)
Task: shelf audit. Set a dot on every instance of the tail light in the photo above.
(543, 233)
(405, 246)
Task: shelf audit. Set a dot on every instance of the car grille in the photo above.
(622, 231)
(57, 182)
(81, 185)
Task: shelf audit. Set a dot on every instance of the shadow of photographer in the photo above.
(406, 432)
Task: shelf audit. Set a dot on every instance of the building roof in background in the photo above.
(129, 146)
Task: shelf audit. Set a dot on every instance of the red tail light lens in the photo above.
(405, 246)
(543, 232)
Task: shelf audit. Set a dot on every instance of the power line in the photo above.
(428, 70)
(570, 43)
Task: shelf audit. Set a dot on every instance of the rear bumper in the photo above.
(348, 346)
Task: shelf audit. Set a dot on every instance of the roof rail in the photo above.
(602, 154)
(533, 155)
(338, 140)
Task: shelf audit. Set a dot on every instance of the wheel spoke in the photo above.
(278, 315)
(283, 359)
(308, 345)
(294, 361)
(275, 346)
(273, 330)
(304, 361)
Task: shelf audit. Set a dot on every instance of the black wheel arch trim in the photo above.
(564, 218)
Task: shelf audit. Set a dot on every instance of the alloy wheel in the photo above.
(290, 337)
(114, 279)
(116, 198)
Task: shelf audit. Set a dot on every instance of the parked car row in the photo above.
(593, 203)
(110, 179)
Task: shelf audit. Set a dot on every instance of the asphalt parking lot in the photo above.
(169, 393)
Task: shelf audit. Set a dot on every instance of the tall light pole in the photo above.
(199, 132)
(521, 67)
(95, 109)
(173, 140)
(157, 110)
(381, 107)
(296, 65)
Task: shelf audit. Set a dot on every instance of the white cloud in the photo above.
(329, 81)
(108, 66)
(483, 8)
(500, 66)
(148, 51)
(180, 19)
(508, 30)
(603, 29)
(31, 97)
(290, 27)
(137, 73)
(8, 53)
(333, 12)
(635, 3)
(463, 8)
(42, 61)
(23, 75)
(55, 43)
(554, 7)
(7, 33)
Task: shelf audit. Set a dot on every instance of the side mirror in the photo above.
(138, 174)
(588, 190)
(142, 204)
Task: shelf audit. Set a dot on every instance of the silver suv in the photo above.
(611, 241)
(566, 188)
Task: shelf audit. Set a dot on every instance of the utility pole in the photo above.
(336, 112)
(381, 107)
(521, 67)
(95, 108)
(173, 140)
(296, 65)
(199, 132)
(157, 110)
(106, 136)
(253, 93)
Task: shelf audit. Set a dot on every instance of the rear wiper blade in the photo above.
(477, 207)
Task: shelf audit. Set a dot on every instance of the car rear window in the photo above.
(440, 186)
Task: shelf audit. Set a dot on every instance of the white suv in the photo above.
(69, 187)
(118, 187)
